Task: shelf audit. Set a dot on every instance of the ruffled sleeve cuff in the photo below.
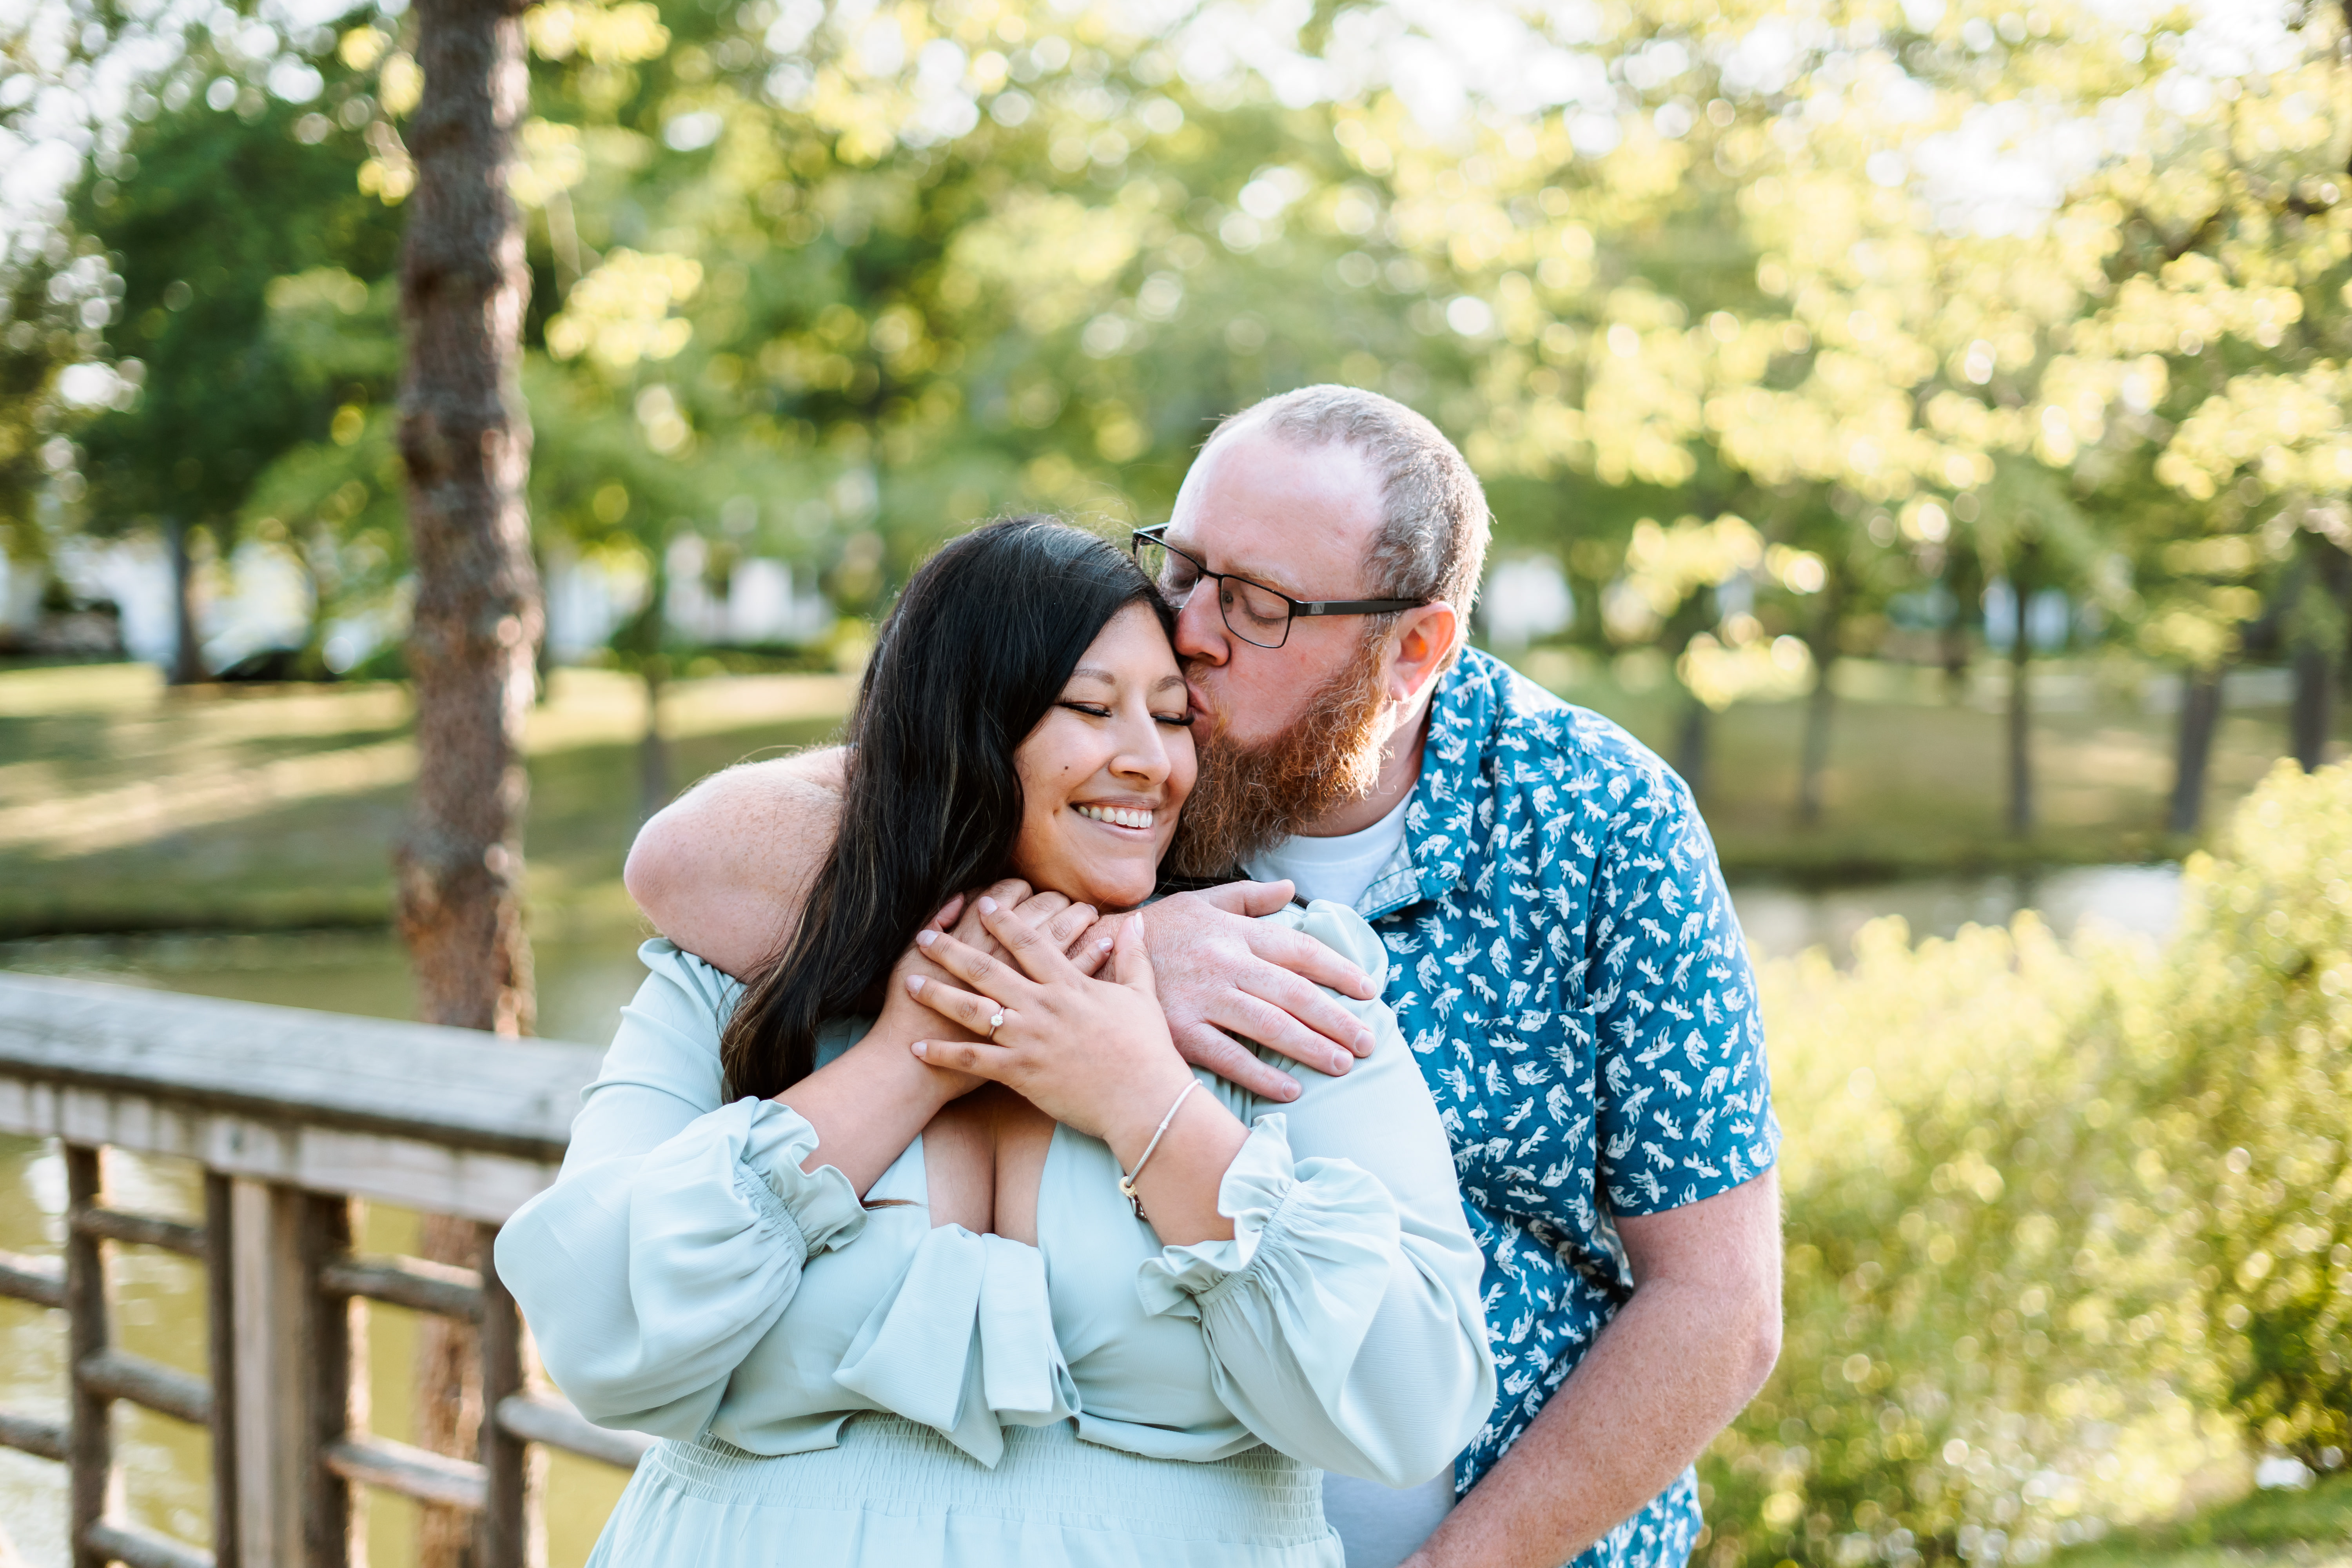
(739, 1168)
(824, 1207)
(1314, 1237)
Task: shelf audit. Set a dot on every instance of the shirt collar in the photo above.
(1437, 822)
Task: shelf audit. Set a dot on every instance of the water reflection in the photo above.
(582, 982)
(1780, 921)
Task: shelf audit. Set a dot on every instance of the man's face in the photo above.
(1298, 519)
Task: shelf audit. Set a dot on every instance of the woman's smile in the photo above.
(1106, 771)
(1123, 818)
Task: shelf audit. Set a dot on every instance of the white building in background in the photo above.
(263, 600)
(1525, 598)
(763, 605)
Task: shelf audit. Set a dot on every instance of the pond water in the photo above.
(583, 981)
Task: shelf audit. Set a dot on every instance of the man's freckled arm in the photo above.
(724, 870)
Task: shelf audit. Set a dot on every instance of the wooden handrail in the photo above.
(291, 1113)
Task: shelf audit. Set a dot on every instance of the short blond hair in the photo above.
(1434, 523)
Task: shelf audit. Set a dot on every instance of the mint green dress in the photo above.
(856, 1388)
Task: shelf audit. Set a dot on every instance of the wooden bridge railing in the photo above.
(291, 1114)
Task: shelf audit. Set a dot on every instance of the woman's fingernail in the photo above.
(915, 983)
(922, 1047)
(988, 906)
(1104, 944)
(1338, 1063)
(925, 937)
(1364, 1042)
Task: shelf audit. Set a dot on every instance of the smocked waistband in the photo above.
(889, 1465)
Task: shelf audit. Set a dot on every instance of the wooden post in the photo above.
(90, 1440)
(220, 1330)
(331, 1513)
(512, 1533)
(293, 1355)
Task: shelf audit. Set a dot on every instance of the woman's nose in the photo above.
(1142, 756)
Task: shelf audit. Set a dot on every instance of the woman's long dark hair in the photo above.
(975, 653)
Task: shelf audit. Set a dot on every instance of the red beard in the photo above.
(1250, 798)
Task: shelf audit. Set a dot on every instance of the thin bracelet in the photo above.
(1126, 1182)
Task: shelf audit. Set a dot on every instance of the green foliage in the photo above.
(2257, 1124)
(2068, 1224)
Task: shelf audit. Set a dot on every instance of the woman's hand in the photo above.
(873, 1099)
(904, 1019)
(1092, 1054)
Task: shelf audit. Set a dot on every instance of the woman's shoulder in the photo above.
(1342, 930)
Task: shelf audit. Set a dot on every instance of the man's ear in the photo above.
(1422, 646)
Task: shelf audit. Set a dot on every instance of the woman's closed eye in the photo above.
(1182, 721)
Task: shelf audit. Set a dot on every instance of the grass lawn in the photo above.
(2310, 1528)
(1916, 782)
(125, 806)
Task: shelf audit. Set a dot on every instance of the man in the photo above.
(1563, 960)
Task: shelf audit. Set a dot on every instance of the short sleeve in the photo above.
(1684, 1098)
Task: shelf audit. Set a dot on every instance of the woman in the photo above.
(1122, 1324)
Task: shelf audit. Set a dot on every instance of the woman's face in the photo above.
(1103, 772)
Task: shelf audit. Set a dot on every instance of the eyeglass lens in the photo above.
(1254, 613)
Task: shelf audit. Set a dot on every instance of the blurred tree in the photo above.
(465, 442)
(194, 222)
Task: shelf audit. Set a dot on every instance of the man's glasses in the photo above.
(1254, 613)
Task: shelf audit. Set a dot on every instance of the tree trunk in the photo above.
(1690, 747)
(464, 439)
(2317, 624)
(653, 750)
(2020, 707)
(187, 651)
(2200, 716)
(1813, 761)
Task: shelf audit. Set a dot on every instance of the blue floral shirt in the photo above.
(1568, 970)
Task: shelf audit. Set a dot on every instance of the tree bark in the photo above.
(187, 650)
(1690, 747)
(2317, 626)
(2020, 706)
(1813, 761)
(2200, 716)
(653, 750)
(464, 439)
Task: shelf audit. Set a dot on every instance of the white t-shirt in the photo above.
(1336, 868)
(1379, 1526)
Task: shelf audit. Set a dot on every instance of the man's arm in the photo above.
(724, 870)
(1684, 1354)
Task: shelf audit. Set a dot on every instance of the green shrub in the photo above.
(2257, 1038)
(2066, 1221)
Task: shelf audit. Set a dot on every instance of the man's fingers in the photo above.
(1304, 956)
(1250, 899)
(1206, 1048)
(1308, 1005)
(1254, 1018)
(994, 978)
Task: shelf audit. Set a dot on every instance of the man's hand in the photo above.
(1221, 969)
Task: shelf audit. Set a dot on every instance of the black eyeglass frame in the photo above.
(1155, 534)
